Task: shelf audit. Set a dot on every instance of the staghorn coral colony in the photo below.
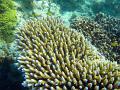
(54, 57)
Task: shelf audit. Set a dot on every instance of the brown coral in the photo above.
(112, 27)
(100, 33)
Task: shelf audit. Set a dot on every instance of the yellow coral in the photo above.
(57, 58)
(114, 44)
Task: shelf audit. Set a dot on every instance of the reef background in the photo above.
(14, 13)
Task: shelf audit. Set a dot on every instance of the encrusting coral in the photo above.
(54, 57)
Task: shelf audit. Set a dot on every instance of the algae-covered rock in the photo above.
(8, 20)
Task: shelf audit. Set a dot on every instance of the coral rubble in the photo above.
(55, 57)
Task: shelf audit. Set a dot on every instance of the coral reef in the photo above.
(76, 7)
(93, 32)
(45, 7)
(37, 8)
(88, 27)
(55, 57)
(8, 20)
(8, 52)
(5, 55)
(112, 28)
(88, 7)
(62, 8)
(103, 32)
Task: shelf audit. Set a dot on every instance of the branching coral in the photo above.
(54, 57)
(8, 22)
(108, 22)
(103, 32)
(112, 27)
(88, 27)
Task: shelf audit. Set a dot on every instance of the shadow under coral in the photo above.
(10, 77)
